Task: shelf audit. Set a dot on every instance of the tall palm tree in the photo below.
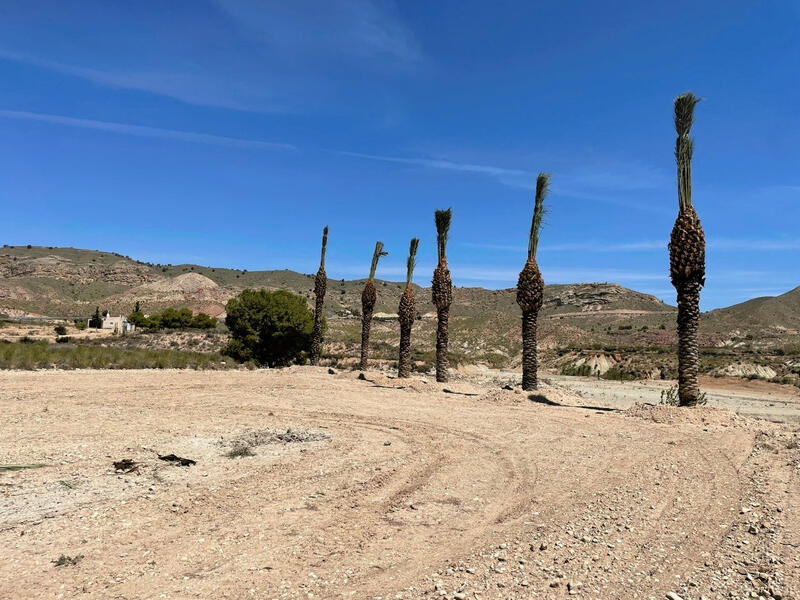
(442, 292)
(530, 290)
(320, 285)
(406, 313)
(687, 256)
(368, 298)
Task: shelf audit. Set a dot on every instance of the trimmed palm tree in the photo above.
(687, 257)
(530, 290)
(368, 298)
(320, 285)
(406, 313)
(442, 292)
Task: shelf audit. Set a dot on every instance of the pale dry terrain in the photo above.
(384, 489)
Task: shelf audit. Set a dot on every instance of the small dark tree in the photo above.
(60, 330)
(270, 328)
(137, 308)
(96, 322)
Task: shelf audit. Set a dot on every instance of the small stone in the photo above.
(554, 584)
(459, 596)
(574, 585)
(542, 546)
(673, 596)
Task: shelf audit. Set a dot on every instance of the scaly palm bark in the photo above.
(368, 298)
(687, 257)
(406, 313)
(320, 285)
(530, 291)
(442, 293)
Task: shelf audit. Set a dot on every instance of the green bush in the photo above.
(173, 318)
(269, 328)
(80, 324)
(60, 330)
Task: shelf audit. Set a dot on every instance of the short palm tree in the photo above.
(368, 298)
(442, 292)
(687, 257)
(530, 290)
(320, 285)
(406, 313)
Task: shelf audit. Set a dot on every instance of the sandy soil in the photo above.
(760, 399)
(384, 489)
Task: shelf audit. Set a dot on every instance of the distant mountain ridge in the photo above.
(69, 282)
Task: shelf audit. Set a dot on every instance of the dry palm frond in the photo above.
(542, 184)
(324, 248)
(684, 147)
(443, 218)
(375, 257)
(412, 259)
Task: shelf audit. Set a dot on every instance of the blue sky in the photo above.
(228, 132)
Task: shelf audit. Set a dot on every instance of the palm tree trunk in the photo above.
(530, 361)
(320, 285)
(442, 362)
(406, 314)
(404, 361)
(366, 325)
(688, 350)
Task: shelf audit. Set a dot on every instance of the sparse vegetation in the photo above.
(40, 355)
(240, 452)
(65, 560)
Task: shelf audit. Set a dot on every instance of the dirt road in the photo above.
(758, 399)
(378, 491)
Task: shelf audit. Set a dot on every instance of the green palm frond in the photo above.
(375, 256)
(443, 218)
(542, 185)
(684, 117)
(412, 259)
(324, 248)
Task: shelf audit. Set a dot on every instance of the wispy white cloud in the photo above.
(187, 83)
(246, 55)
(754, 245)
(144, 131)
(608, 186)
(359, 28)
(713, 244)
(435, 163)
(645, 246)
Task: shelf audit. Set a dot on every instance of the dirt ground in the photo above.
(760, 399)
(353, 489)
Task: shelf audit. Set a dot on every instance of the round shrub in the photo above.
(270, 328)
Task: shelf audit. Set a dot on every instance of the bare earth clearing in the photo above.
(383, 491)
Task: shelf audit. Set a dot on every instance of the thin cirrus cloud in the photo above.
(144, 131)
(598, 182)
(714, 244)
(256, 56)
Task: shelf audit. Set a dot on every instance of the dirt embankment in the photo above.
(316, 485)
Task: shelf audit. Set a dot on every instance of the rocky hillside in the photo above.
(66, 282)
